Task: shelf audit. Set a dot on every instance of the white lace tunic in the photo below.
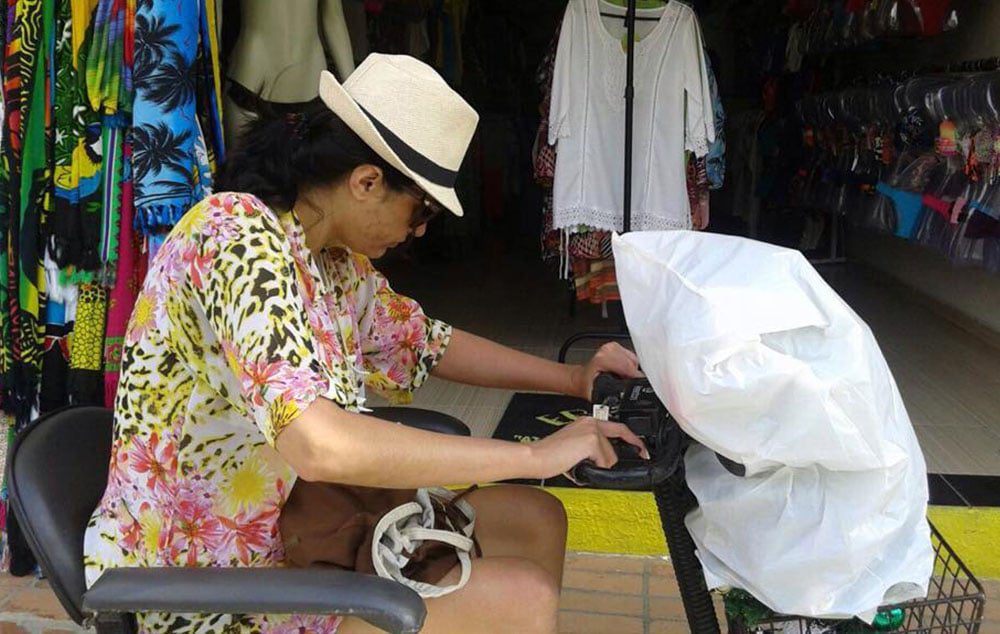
(672, 112)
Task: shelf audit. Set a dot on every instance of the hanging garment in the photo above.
(984, 222)
(72, 231)
(716, 165)
(169, 171)
(53, 392)
(128, 280)
(793, 49)
(83, 232)
(595, 281)
(909, 207)
(543, 155)
(357, 28)
(588, 113)
(590, 245)
(942, 206)
(923, 17)
(87, 347)
(107, 87)
(28, 56)
(35, 177)
(112, 170)
(82, 11)
(7, 422)
(748, 165)
(698, 191)
(210, 88)
(7, 204)
(64, 105)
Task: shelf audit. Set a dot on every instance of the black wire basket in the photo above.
(954, 605)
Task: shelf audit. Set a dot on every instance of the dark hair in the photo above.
(280, 153)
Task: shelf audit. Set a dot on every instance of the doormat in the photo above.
(530, 417)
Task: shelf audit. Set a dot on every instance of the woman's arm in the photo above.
(473, 360)
(476, 361)
(326, 443)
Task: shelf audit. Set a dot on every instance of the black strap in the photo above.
(413, 159)
(247, 99)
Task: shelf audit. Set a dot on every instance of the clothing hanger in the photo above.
(639, 4)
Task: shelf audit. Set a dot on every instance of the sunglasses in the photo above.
(428, 209)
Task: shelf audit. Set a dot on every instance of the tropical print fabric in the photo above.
(35, 24)
(130, 270)
(237, 329)
(66, 186)
(170, 159)
(75, 225)
(109, 69)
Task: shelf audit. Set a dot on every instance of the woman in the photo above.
(259, 327)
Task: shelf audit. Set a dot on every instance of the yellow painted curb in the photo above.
(619, 522)
(974, 534)
(627, 523)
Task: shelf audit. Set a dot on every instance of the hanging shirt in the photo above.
(672, 112)
(717, 151)
(793, 49)
(237, 330)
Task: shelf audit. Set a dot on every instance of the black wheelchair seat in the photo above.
(57, 472)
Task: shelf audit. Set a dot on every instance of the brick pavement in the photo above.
(602, 595)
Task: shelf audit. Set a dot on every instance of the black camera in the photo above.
(633, 403)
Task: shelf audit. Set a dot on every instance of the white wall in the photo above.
(972, 293)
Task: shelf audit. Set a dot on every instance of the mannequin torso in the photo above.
(280, 52)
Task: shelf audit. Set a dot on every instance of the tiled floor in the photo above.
(949, 379)
(601, 595)
(626, 595)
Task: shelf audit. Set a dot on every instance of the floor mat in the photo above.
(532, 416)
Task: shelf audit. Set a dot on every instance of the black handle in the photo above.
(627, 475)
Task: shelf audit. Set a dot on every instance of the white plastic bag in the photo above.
(760, 360)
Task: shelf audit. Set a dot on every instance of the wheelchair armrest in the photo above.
(381, 602)
(425, 419)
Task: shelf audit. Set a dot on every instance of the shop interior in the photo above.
(865, 134)
(496, 272)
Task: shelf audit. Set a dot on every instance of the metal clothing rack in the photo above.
(630, 18)
(837, 253)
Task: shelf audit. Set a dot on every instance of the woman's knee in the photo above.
(505, 594)
(529, 586)
(547, 510)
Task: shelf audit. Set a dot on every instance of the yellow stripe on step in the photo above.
(627, 523)
(974, 534)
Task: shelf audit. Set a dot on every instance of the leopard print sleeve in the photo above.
(260, 350)
(401, 344)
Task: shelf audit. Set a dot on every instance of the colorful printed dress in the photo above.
(237, 330)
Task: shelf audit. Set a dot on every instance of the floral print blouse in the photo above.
(237, 330)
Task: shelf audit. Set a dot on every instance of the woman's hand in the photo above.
(583, 439)
(611, 358)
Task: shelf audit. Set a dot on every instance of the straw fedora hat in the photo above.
(406, 112)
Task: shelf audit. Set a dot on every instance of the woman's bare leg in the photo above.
(521, 521)
(515, 587)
